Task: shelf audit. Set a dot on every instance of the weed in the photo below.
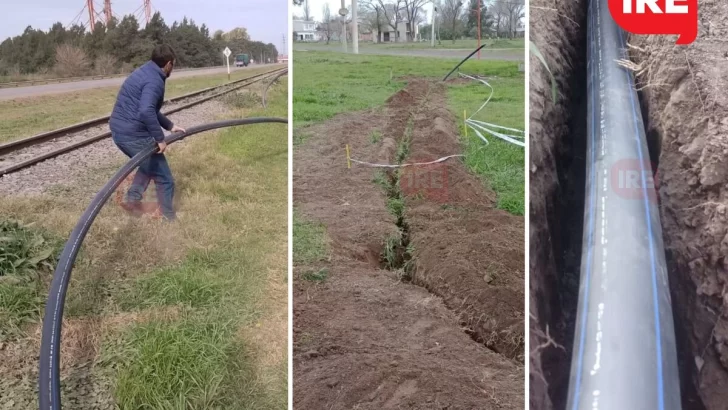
(24, 251)
(316, 276)
(375, 136)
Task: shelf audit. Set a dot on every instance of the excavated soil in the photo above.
(368, 339)
(684, 97)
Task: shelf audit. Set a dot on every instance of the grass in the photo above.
(330, 83)
(192, 314)
(462, 43)
(309, 241)
(27, 256)
(24, 117)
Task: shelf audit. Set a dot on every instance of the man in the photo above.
(136, 123)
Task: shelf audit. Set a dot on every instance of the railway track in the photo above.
(25, 152)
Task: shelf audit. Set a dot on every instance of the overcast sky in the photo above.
(266, 20)
(317, 6)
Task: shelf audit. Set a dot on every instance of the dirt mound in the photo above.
(364, 338)
(466, 251)
(686, 105)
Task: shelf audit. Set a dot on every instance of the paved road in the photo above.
(508, 54)
(58, 88)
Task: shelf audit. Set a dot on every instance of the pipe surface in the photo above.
(49, 379)
(624, 354)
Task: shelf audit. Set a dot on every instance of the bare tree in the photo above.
(413, 9)
(515, 10)
(375, 16)
(451, 15)
(306, 11)
(500, 15)
(391, 11)
(327, 22)
(71, 61)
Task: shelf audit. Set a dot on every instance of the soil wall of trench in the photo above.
(685, 108)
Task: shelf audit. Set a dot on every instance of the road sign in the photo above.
(343, 12)
(227, 53)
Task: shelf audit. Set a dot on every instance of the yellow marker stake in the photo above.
(348, 157)
(465, 124)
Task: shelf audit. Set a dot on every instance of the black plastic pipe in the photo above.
(624, 354)
(49, 379)
(461, 62)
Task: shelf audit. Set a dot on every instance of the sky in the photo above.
(317, 6)
(266, 20)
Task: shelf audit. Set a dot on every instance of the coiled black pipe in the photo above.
(49, 379)
(461, 62)
(265, 92)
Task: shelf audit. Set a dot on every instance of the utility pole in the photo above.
(479, 3)
(343, 12)
(434, 19)
(354, 28)
(91, 14)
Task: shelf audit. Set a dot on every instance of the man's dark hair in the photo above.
(162, 55)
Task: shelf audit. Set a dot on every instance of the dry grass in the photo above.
(143, 292)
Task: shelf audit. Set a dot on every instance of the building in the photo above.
(304, 31)
(388, 34)
(282, 59)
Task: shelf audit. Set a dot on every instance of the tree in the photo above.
(391, 11)
(413, 8)
(515, 12)
(326, 25)
(374, 14)
(486, 20)
(451, 16)
(306, 11)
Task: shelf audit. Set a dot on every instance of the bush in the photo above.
(71, 61)
(106, 64)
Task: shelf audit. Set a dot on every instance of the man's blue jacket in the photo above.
(136, 112)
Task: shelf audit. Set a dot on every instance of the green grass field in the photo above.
(471, 44)
(24, 117)
(191, 315)
(326, 84)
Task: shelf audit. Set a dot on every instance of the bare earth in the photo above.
(364, 339)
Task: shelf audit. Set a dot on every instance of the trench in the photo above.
(565, 228)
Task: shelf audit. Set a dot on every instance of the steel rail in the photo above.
(49, 377)
(47, 136)
(71, 147)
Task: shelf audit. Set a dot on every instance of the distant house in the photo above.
(282, 59)
(305, 30)
(521, 29)
(388, 34)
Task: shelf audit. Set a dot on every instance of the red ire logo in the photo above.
(657, 17)
(633, 179)
(430, 181)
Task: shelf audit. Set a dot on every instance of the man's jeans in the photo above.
(154, 168)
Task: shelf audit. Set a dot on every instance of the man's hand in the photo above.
(177, 129)
(162, 146)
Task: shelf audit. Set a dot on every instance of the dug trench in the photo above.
(423, 305)
(684, 111)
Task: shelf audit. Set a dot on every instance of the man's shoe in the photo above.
(133, 208)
